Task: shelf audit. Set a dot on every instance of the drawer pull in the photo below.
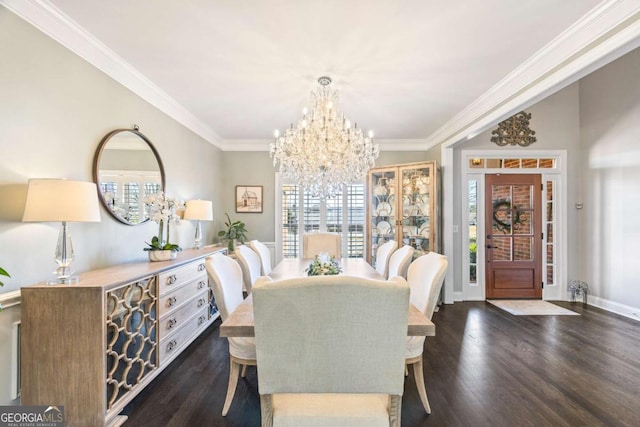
(172, 344)
(201, 302)
(171, 279)
(171, 301)
(201, 284)
(201, 319)
(201, 267)
(171, 323)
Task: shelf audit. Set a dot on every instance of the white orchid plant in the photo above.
(165, 211)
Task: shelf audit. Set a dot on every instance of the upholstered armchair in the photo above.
(312, 370)
(383, 254)
(225, 279)
(250, 265)
(425, 277)
(265, 256)
(316, 243)
(400, 260)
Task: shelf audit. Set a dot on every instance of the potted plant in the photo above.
(236, 230)
(163, 210)
(3, 272)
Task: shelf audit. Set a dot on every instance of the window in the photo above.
(300, 212)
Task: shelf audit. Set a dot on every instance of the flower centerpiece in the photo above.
(236, 230)
(323, 265)
(163, 210)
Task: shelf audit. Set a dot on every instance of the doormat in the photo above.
(532, 308)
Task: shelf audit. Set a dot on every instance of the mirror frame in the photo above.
(96, 162)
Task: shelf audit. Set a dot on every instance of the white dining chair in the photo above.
(329, 383)
(225, 279)
(316, 243)
(400, 260)
(265, 256)
(425, 277)
(249, 262)
(382, 256)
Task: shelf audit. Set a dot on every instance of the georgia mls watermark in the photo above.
(31, 416)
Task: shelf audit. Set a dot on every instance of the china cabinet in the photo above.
(402, 204)
(93, 346)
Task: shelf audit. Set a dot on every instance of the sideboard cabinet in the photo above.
(402, 204)
(93, 346)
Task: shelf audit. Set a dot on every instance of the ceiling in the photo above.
(403, 68)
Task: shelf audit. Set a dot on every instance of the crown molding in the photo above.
(47, 18)
(263, 144)
(605, 33)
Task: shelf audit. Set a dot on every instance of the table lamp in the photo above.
(50, 200)
(200, 210)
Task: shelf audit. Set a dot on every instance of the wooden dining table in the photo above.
(240, 323)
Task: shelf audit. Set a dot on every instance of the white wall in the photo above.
(54, 110)
(610, 183)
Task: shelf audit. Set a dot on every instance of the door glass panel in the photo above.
(550, 211)
(473, 224)
(522, 197)
(501, 248)
(523, 248)
(529, 163)
(512, 163)
(311, 212)
(522, 222)
(549, 254)
(549, 233)
(550, 274)
(334, 214)
(290, 236)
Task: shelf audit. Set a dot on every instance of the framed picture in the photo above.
(249, 198)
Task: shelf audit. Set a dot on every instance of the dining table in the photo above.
(240, 322)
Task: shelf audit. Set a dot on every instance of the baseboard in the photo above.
(614, 307)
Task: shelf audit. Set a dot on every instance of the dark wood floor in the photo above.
(485, 367)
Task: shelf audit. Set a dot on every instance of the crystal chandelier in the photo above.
(323, 152)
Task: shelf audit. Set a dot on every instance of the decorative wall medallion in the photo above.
(514, 130)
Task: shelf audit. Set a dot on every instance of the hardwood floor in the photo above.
(485, 367)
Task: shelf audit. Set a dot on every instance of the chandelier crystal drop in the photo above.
(323, 152)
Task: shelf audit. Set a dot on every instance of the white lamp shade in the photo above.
(199, 209)
(55, 200)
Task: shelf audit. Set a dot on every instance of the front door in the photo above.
(513, 222)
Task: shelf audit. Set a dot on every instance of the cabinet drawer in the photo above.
(173, 343)
(177, 277)
(174, 320)
(172, 300)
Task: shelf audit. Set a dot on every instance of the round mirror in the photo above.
(127, 168)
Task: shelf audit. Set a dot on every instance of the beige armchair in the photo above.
(312, 371)
(316, 243)
(225, 279)
(249, 262)
(425, 277)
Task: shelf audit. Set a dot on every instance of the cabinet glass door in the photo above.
(382, 209)
(416, 187)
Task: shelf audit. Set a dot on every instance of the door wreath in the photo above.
(505, 225)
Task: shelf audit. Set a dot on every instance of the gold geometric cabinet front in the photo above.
(132, 336)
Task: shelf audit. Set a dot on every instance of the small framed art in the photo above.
(249, 198)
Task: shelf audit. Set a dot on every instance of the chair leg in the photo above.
(395, 410)
(234, 371)
(422, 391)
(266, 409)
(243, 374)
